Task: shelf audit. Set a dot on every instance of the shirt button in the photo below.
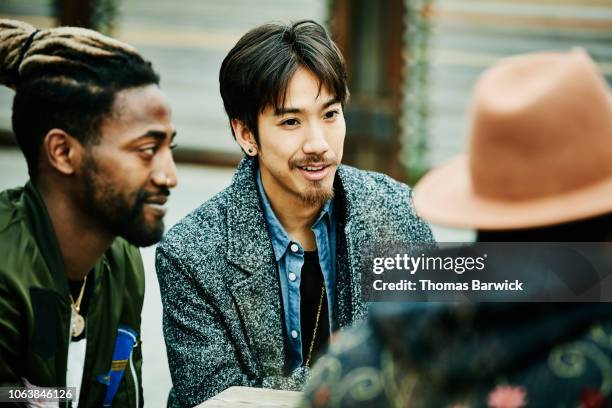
(294, 334)
(294, 248)
(292, 276)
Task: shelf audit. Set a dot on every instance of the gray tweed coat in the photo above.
(223, 321)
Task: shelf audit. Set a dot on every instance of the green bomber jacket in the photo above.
(35, 306)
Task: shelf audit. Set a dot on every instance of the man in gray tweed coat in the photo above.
(255, 280)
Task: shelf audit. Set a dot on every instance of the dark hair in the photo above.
(256, 72)
(64, 78)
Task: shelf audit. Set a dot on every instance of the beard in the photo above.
(316, 193)
(121, 214)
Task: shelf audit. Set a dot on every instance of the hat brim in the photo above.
(445, 196)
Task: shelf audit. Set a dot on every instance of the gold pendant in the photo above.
(77, 323)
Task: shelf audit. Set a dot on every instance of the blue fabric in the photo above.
(287, 261)
(124, 344)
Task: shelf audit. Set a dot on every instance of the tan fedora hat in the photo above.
(540, 148)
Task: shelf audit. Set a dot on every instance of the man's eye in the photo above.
(290, 122)
(148, 151)
(173, 146)
(331, 114)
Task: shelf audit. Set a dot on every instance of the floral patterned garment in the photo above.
(488, 355)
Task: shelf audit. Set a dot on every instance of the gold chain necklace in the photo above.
(77, 321)
(314, 332)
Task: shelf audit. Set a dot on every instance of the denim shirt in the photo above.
(289, 257)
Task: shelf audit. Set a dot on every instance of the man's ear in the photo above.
(244, 137)
(63, 151)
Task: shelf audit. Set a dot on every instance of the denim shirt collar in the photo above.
(278, 235)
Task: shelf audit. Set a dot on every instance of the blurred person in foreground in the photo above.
(539, 169)
(96, 134)
(255, 280)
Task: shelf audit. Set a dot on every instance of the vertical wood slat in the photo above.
(470, 35)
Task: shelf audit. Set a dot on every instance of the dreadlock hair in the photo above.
(64, 78)
(256, 72)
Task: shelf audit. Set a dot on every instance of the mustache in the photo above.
(317, 159)
(146, 195)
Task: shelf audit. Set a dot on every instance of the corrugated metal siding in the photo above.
(469, 35)
(186, 42)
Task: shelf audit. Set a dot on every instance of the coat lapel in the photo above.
(257, 296)
(349, 307)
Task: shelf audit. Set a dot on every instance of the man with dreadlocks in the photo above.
(96, 134)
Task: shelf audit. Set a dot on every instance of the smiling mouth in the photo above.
(157, 204)
(312, 168)
(314, 172)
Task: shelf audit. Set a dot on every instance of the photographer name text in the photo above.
(430, 286)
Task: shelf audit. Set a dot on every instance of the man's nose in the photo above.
(165, 173)
(316, 142)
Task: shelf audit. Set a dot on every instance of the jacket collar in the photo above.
(346, 199)
(249, 246)
(279, 237)
(40, 226)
